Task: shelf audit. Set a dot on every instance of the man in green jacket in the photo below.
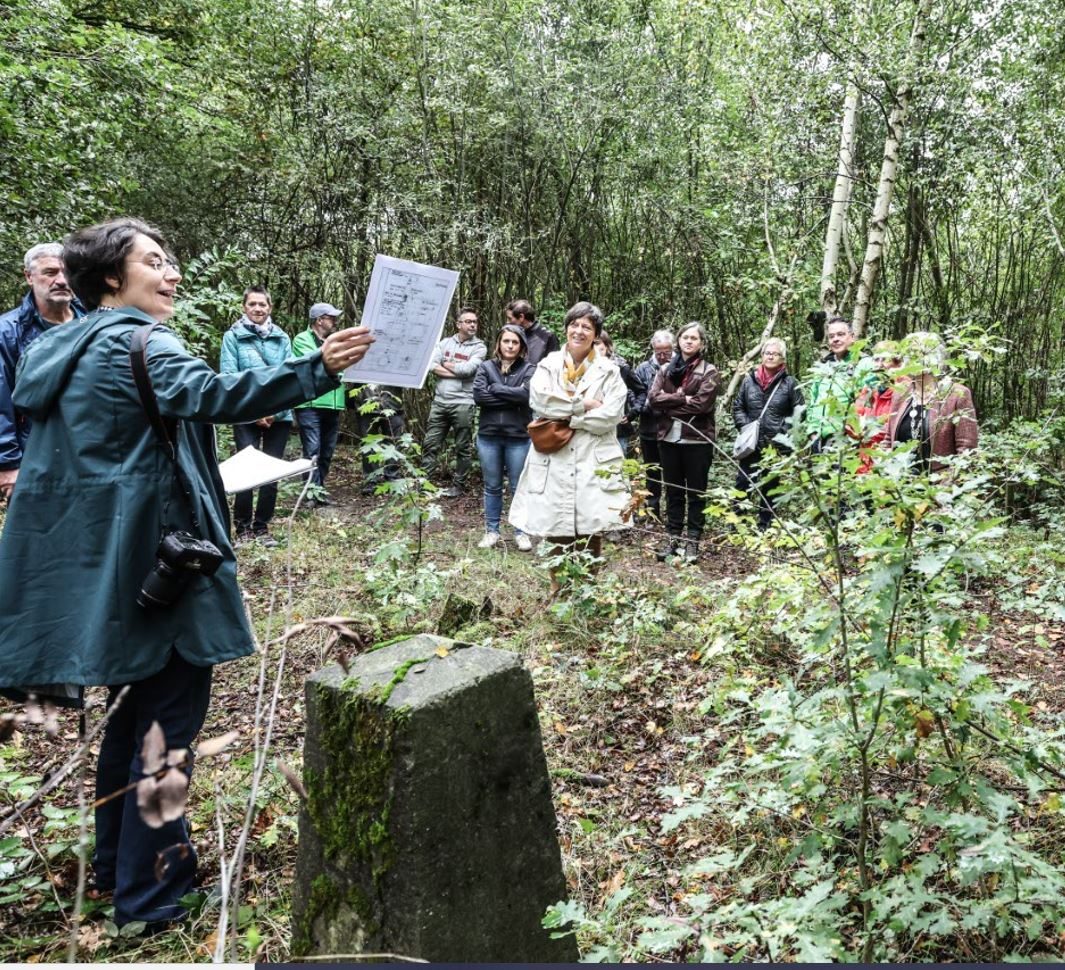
(836, 380)
(319, 420)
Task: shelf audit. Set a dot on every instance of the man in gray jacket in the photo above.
(454, 363)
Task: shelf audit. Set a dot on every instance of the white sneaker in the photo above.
(523, 542)
(488, 540)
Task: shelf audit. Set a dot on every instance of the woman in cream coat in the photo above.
(561, 496)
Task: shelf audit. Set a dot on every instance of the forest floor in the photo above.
(621, 715)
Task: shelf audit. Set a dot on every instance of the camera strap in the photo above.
(165, 430)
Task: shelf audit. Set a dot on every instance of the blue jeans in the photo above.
(318, 434)
(498, 454)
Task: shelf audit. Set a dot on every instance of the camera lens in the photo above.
(162, 586)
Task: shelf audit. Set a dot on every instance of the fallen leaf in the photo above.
(292, 778)
(153, 751)
(216, 745)
(441, 651)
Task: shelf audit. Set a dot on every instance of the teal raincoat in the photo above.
(96, 492)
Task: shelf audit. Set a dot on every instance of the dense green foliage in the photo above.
(636, 152)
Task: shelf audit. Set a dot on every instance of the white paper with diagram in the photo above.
(405, 309)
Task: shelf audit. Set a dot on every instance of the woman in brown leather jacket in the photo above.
(683, 396)
(932, 409)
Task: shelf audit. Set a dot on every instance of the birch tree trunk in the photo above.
(896, 126)
(841, 196)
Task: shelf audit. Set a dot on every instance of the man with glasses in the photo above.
(454, 363)
(49, 302)
(836, 381)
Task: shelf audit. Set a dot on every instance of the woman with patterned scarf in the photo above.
(562, 496)
(683, 396)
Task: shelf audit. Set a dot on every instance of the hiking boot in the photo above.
(263, 538)
(523, 542)
(488, 540)
(691, 550)
(672, 544)
(453, 491)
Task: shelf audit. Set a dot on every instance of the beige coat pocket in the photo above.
(536, 471)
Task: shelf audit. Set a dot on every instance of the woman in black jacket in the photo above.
(501, 388)
(770, 396)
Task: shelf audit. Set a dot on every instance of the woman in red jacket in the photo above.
(873, 405)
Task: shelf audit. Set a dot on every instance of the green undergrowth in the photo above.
(705, 738)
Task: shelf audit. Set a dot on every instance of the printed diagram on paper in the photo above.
(406, 305)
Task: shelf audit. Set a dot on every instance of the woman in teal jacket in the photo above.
(256, 341)
(96, 493)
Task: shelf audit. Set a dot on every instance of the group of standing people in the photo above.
(669, 400)
(120, 471)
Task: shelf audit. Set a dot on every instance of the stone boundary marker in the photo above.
(428, 829)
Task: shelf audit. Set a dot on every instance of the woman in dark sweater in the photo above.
(501, 389)
(683, 396)
(770, 396)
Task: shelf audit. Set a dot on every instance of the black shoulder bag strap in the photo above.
(165, 431)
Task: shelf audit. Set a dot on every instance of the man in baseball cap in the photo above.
(319, 420)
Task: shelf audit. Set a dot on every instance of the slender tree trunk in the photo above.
(841, 195)
(911, 258)
(896, 126)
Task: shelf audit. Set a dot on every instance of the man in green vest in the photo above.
(319, 420)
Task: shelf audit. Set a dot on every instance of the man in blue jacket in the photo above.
(49, 302)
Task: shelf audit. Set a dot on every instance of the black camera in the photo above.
(180, 556)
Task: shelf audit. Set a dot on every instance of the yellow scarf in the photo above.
(571, 374)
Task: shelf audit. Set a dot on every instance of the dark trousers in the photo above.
(318, 435)
(651, 456)
(457, 418)
(129, 854)
(271, 440)
(752, 479)
(685, 469)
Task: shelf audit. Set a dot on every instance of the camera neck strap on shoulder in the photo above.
(165, 431)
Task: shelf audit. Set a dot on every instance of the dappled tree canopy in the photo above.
(643, 153)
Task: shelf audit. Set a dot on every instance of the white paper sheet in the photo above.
(406, 305)
(251, 468)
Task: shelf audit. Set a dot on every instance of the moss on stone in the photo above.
(351, 796)
(331, 911)
(384, 692)
(387, 643)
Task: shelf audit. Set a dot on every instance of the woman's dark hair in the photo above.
(584, 309)
(519, 333)
(607, 339)
(93, 254)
